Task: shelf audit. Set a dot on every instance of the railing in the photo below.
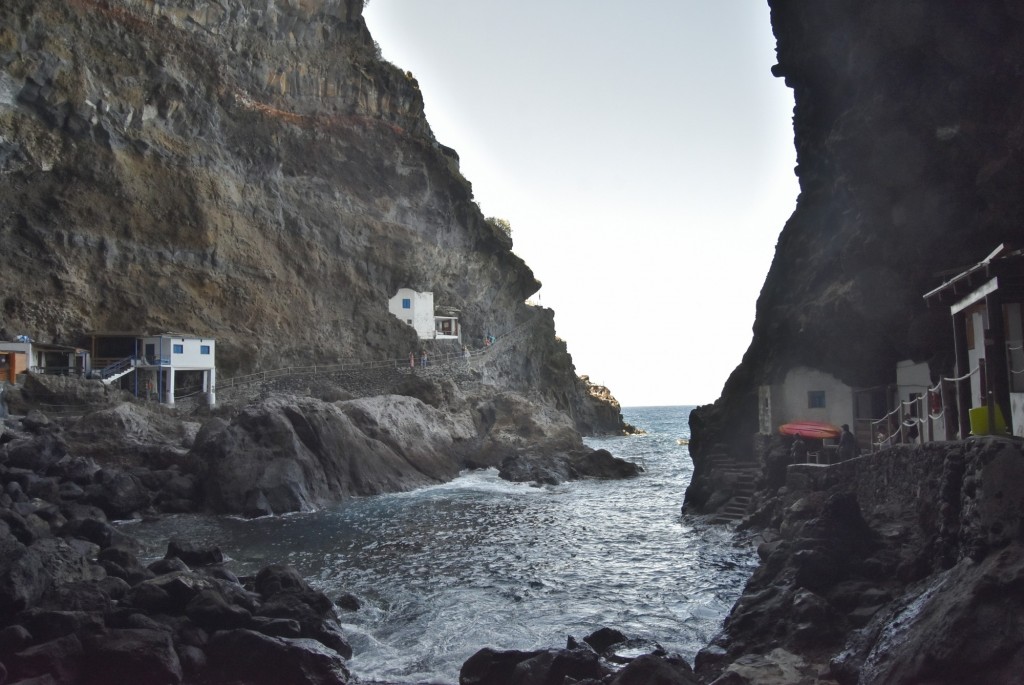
(56, 370)
(916, 414)
(116, 368)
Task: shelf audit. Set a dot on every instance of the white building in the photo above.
(417, 310)
(807, 394)
(986, 303)
(168, 360)
(156, 366)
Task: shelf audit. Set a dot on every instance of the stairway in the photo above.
(119, 368)
(746, 478)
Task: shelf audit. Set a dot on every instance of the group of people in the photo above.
(425, 359)
(847, 447)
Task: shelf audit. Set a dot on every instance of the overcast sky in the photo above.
(643, 154)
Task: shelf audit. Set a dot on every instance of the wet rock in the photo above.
(97, 531)
(211, 611)
(603, 638)
(130, 656)
(257, 659)
(256, 505)
(119, 495)
(163, 566)
(45, 624)
(276, 578)
(492, 667)
(37, 453)
(14, 638)
(277, 627)
(37, 422)
(61, 658)
(192, 553)
(601, 464)
(23, 579)
(656, 670)
(348, 602)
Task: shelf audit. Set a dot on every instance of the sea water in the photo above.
(446, 570)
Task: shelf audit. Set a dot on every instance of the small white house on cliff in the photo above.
(417, 310)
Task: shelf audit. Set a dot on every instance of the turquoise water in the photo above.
(446, 570)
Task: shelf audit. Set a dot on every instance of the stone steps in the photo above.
(745, 476)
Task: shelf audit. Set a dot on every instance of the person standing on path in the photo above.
(847, 444)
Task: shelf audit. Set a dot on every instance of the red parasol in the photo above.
(816, 430)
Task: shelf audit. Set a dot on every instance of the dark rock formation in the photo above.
(890, 568)
(589, 662)
(907, 130)
(256, 174)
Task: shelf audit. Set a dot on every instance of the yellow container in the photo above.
(979, 421)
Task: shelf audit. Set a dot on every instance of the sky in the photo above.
(643, 155)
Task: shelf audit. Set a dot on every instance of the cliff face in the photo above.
(250, 171)
(909, 131)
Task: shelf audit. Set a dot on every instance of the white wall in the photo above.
(912, 378)
(1017, 413)
(789, 400)
(191, 357)
(420, 314)
(976, 354)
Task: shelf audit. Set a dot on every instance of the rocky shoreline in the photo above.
(902, 566)
(78, 606)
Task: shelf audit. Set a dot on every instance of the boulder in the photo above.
(601, 464)
(490, 666)
(277, 578)
(211, 611)
(23, 578)
(46, 624)
(61, 658)
(256, 659)
(119, 494)
(192, 553)
(14, 638)
(37, 453)
(348, 602)
(493, 667)
(131, 656)
(302, 453)
(656, 670)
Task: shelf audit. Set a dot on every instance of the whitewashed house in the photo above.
(170, 360)
(807, 394)
(417, 310)
(156, 367)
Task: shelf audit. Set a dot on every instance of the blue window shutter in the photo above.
(406, 303)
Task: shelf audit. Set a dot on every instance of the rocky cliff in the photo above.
(900, 567)
(249, 171)
(909, 135)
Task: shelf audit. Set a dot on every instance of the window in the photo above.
(179, 349)
(406, 303)
(815, 399)
(204, 349)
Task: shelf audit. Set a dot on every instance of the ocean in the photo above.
(446, 570)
